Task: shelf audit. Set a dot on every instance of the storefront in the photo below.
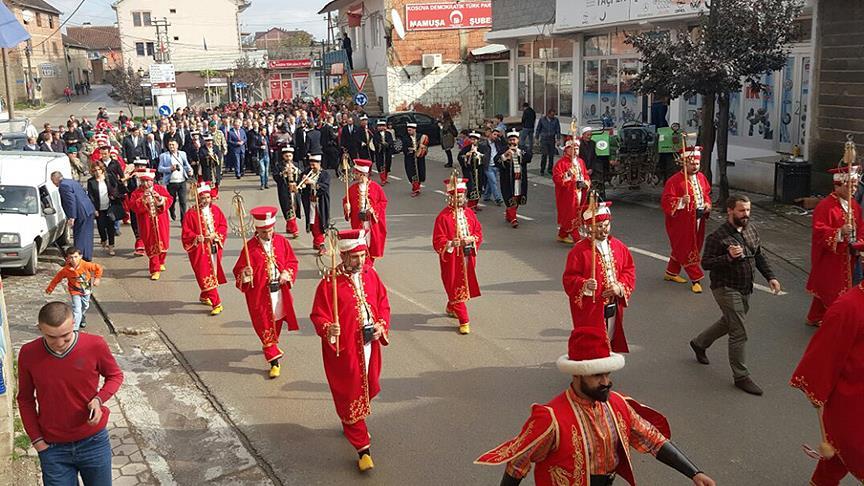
(544, 74)
(290, 78)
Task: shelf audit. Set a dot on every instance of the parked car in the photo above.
(426, 125)
(13, 133)
(31, 216)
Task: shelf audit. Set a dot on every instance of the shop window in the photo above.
(497, 88)
(524, 50)
(563, 48)
(542, 49)
(523, 83)
(566, 90)
(618, 45)
(538, 100)
(597, 45)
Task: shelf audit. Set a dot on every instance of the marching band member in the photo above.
(150, 203)
(572, 182)
(265, 272)
(686, 205)
(314, 187)
(600, 277)
(583, 436)
(367, 145)
(365, 206)
(471, 162)
(204, 232)
(351, 338)
(838, 239)
(287, 175)
(456, 237)
(415, 147)
(513, 166)
(384, 155)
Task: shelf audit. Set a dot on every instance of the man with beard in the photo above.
(287, 175)
(150, 203)
(471, 162)
(203, 236)
(352, 329)
(732, 254)
(415, 147)
(211, 158)
(571, 192)
(686, 203)
(365, 207)
(314, 190)
(513, 166)
(266, 275)
(582, 437)
(383, 150)
(599, 278)
(365, 140)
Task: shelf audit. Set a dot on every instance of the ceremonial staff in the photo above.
(849, 156)
(237, 200)
(346, 176)
(333, 243)
(592, 206)
(461, 248)
(210, 249)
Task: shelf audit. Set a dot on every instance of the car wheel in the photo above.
(33, 263)
(63, 238)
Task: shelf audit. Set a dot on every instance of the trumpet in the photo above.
(370, 140)
(310, 178)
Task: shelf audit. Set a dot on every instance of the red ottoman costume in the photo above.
(207, 221)
(368, 209)
(571, 192)
(150, 207)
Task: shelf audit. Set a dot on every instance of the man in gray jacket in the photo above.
(175, 170)
(549, 133)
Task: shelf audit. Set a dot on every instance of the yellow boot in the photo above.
(674, 278)
(567, 240)
(154, 276)
(217, 310)
(275, 371)
(450, 313)
(161, 268)
(465, 328)
(206, 301)
(365, 463)
(696, 288)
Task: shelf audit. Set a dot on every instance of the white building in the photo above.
(198, 34)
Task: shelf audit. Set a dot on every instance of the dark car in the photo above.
(426, 125)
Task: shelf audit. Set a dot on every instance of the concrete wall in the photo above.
(839, 85)
(453, 87)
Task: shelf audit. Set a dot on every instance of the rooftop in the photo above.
(40, 5)
(96, 37)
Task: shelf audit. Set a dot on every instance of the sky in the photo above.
(263, 14)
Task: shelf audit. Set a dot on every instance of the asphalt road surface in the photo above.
(448, 398)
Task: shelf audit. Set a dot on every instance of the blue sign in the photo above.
(360, 99)
(165, 110)
(240, 85)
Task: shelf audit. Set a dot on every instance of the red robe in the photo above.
(154, 232)
(199, 253)
(453, 272)
(685, 237)
(570, 200)
(568, 461)
(831, 263)
(831, 374)
(586, 310)
(352, 386)
(258, 298)
(376, 227)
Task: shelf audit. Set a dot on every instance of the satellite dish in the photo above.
(27, 16)
(398, 26)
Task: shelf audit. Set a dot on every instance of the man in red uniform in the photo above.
(203, 236)
(686, 204)
(831, 374)
(352, 359)
(456, 237)
(265, 275)
(572, 182)
(569, 438)
(836, 244)
(365, 207)
(600, 277)
(150, 203)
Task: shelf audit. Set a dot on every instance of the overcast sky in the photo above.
(263, 14)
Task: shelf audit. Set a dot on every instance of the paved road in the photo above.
(447, 398)
(84, 105)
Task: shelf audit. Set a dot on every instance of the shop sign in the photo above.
(289, 63)
(48, 70)
(162, 73)
(576, 14)
(448, 16)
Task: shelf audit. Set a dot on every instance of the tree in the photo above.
(250, 72)
(127, 86)
(736, 43)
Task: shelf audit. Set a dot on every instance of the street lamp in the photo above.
(141, 84)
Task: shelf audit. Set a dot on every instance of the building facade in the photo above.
(43, 77)
(77, 63)
(103, 47)
(570, 56)
(429, 70)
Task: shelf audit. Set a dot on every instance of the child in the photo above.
(81, 276)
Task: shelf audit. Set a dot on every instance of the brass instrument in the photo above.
(849, 156)
(370, 143)
(310, 178)
(474, 162)
(462, 250)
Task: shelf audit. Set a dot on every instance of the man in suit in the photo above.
(133, 145)
(152, 151)
(349, 138)
(301, 148)
(175, 170)
(236, 148)
(80, 213)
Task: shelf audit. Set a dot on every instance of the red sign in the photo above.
(446, 16)
(289, 63)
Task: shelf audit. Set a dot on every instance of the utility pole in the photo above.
(163, 43)
(28, 80)
(10, 100)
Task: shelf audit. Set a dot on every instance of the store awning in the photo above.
(489, 52)
(335, 5)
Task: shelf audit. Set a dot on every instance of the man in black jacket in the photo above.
(152, 150)
(330, 144)
(349, 138)
(383, 150)
(595, 165)
(529, 119)
(133, 145)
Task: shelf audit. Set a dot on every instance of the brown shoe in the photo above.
(748, 386)
(700, 353)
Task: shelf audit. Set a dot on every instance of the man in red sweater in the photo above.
(61, 371)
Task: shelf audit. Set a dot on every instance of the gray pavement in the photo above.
(83, 105)
(447, 398)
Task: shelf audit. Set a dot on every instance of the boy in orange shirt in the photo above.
(81, 276)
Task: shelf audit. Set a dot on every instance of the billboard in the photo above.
(448, 16)
(579, 14)
(289, 63)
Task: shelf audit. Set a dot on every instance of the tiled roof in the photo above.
(70, 42)
(96, 37)
(40, 5)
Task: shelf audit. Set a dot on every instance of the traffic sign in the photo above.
(165, 110)
(359, 80)
(162, 73)
(240, 85)
(360, 99)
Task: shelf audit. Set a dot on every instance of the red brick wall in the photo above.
(448, 43)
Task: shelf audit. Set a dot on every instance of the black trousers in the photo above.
(383, 162)
(283, 193)
(547, 146)
(177, 190)
(105, 226)
(420, 172)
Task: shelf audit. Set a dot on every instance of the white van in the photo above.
(31, 216)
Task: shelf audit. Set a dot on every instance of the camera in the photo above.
(214, 249)
(468, 250)
(609, 310)
(363, 215)
(274, 286)
(581, 185)
(368, 333)
(700, 213)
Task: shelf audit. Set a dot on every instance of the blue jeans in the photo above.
(80, 304)
(526, 138)
(91, 457)
(264, 168)
(493, 189)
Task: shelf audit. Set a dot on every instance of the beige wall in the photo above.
(191, 23)
(46, 60)
(79, 67)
